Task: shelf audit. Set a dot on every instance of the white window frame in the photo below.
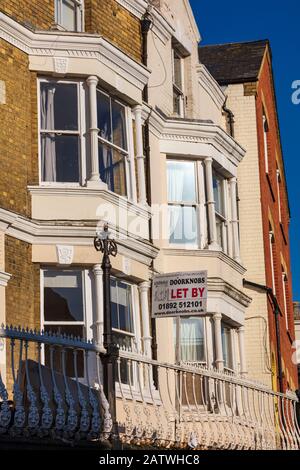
(271, 242)
(87, 306)
(88, 321)
(265, 131)
(278, 182)
(79, 14)
(284, 284)
(223, 218)
(175, 88)
(231, 359)
(127, 154)
(81, 106)
(199, 204)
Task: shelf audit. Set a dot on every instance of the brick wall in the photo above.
(270, 213)
(22, 292)
(105, 17)
(18, 132)
(36, 14)
(258, 355)
(115, 23)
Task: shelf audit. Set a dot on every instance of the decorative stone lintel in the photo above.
(65, 254)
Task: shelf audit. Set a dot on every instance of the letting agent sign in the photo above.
(179, 294)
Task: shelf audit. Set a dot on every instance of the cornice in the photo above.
(4, 278)
(77, 233)
(69, 45)
(110, 197)
(206, 254)
(210, 85)
(219, 285)
(196, 131)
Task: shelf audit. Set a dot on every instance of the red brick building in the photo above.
(245, 71)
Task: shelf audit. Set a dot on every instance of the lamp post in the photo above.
(108, 248)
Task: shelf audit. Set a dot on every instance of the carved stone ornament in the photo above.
(65, 254)
(61, 65)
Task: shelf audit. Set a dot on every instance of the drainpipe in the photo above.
(146, 23)
(230, 118)
(277, 313)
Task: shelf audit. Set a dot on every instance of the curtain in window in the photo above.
(192, 340)
(176, 176)
(48, 151)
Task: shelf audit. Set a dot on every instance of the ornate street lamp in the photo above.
(109, 248)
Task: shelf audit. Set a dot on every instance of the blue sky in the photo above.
(234, 21)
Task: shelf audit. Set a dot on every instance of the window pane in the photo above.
(104, 116)
(226, 346)
(219, 223)
(183, 225)
(125, 315)
(125, 373)
(176, 102)
(59, 106)
(119, 125)
(69, 357)
(181, 181)
(114, 305)
(60, 158)
(63, 298)
(192, 340)
(177, 71)
(218, 194)
(121, 307)
(69, 15)
(112, 169)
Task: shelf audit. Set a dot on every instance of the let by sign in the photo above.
(179, 294)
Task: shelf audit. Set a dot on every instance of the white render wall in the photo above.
(252, 249)
(200, 104)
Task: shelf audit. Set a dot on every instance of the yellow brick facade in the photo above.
(34, 13)
(115, 23)
(18, 132)
(22, 291)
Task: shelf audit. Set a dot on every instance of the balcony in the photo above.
(159, 405)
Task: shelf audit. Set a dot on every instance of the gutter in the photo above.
(146, 25)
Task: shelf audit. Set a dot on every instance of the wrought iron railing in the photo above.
(44, 401)
(53, 388)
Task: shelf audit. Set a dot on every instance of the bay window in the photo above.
(68, 308)
(182, 202)
(69, 14)
(63, 138)
(112, 143)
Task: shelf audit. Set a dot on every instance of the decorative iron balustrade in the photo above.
(53, 388)
(52, 400)
(192, 406)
